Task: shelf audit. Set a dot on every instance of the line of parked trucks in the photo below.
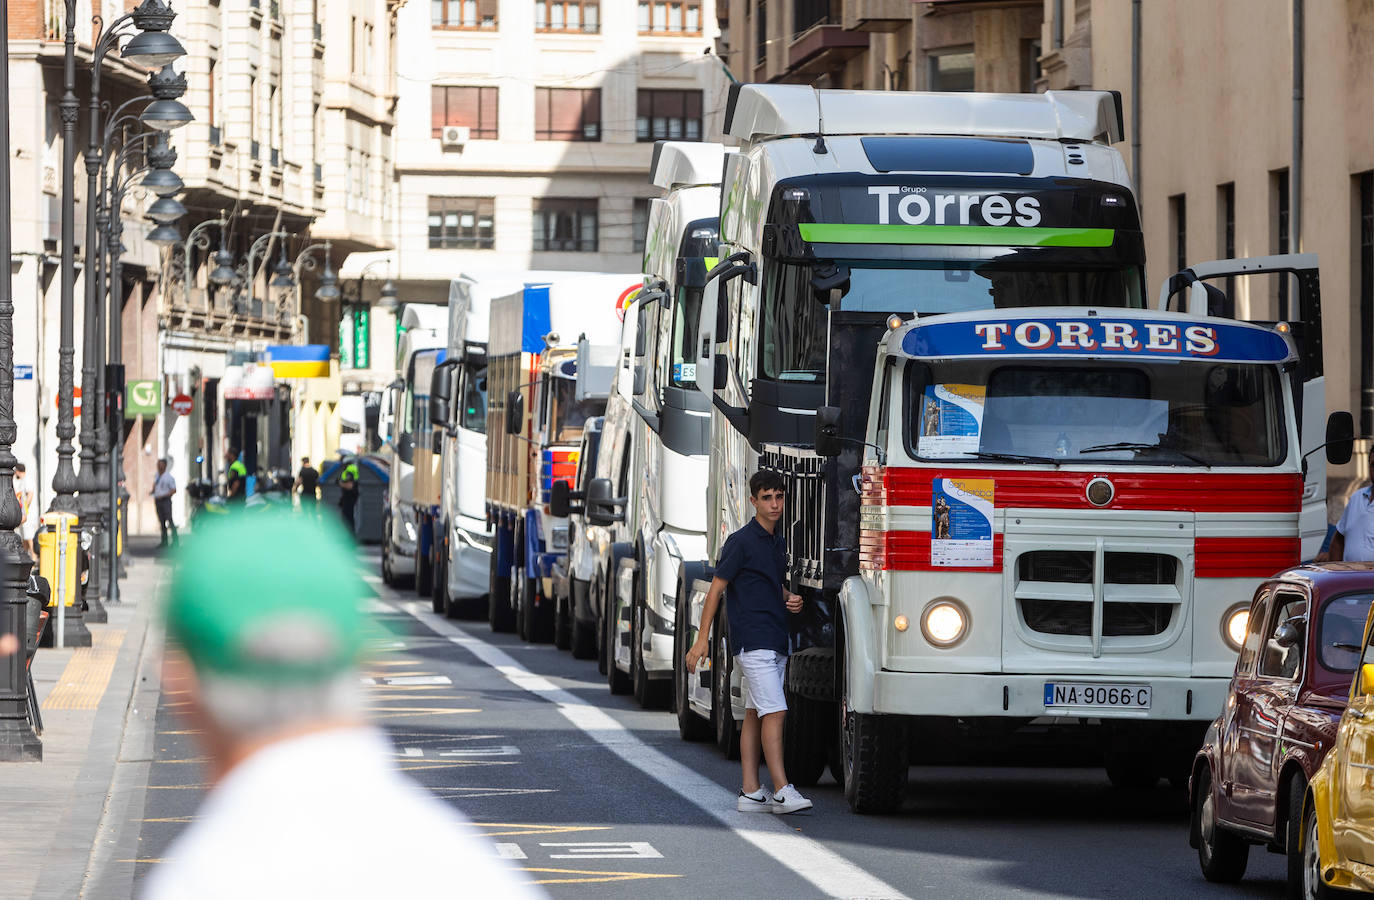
(1024, 501)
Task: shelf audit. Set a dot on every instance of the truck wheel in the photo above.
(583, 635)
(617, 681)
(722, 716)
(387, 578)
(499, 613)
(1132, 771)
(602, 645)
(690, 726)
(423, 574)
(648, 693)
(541, 611)
(873, 751)
(1221, 854)
(438, 593)
(523, 602)
(806, 738)
(562, 623)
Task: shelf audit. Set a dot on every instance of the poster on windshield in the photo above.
(961, 522)
(951, 420)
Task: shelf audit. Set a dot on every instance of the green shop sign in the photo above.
(142, 398)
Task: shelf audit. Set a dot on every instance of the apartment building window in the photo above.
(253, 116)
(366, 67)
(577, 16)
(1226, 214)
(807, 13)
(761, 32)
(1178, 227)
(663, 17)
(668, 115)
(565, 225)
(474, 107)
(567, 114)
(1279, 181)
(462, 223)
(950, 69)
(353, 43)
(469, 14)
(1365, 186)
(639, 224)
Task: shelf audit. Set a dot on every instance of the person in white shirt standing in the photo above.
(306, 799)
(1354, 537)
(164, 486)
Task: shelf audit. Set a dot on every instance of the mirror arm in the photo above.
(650, 417)
(737, 416)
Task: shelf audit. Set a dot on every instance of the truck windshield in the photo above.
(568, 415)
(793, 341)
(1098, 412)
(474, 413)
(417, 406)
(683, 373)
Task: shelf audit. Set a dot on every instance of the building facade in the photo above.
(524, 131)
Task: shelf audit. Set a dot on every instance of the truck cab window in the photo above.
(682, 371)
(568, 413)
(473, 416)
(792, 337)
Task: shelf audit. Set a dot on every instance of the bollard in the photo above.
(57, 559)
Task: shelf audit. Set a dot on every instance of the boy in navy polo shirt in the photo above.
(752, 565)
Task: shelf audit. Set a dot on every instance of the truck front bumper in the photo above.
(469, 562)
(1023, 696)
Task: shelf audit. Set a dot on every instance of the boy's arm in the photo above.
(697, 652)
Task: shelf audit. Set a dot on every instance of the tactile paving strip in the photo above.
(87, 673)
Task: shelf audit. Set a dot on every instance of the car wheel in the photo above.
(1293, 835)
(1313, 888)
(1221, 854)
(722, 715)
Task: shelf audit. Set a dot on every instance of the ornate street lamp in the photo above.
(329, 284)
(154, 47)
(164, 236)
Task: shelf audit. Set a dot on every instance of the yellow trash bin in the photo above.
(57, 552)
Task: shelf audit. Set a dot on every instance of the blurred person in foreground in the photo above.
(305, 797)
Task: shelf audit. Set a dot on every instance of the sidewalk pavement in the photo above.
(66, 824)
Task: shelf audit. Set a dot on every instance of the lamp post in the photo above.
(18, 742)
(198, 239)
(253, 250)
(329, 286)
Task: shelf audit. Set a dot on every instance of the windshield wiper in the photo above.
(1013, 457)
(1342, 645)
(1135, 445)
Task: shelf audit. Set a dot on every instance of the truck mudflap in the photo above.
(811, 673)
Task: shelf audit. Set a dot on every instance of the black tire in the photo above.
(649, 693)
(438, 590)
(806, 738)
(499, 614)
(541, 612)
(583, 635)
(617, 681)
(388, 577)
(873, 752)
(1132, 771)
(1292, 839)
(424, 576)
(603, 648)
(562, 623)
(690, 726)
(1312, 885)
(523, 600)
(722, 716)
(1221, 854)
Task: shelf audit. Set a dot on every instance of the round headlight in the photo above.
(944, 622)
(1234, 624)
(901, 623)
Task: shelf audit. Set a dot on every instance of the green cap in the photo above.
(263, 594)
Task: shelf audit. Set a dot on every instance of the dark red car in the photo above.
(1292, 678)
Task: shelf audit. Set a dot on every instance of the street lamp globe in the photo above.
(388, 295)
(329, 284)
(165, 115)
(281, 273)
(152, 49)
(163, 182)
(164, 236)
(166, 210)
(223, 273)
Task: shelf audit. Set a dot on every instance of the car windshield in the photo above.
(1098, 412)
(1340, 632)
(569, 415)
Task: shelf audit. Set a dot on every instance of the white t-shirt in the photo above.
(1357, 527)
(164, 485)
(329, 815)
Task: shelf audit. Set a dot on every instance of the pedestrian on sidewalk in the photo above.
(305, 798)
(235, 477)
(348, 493)
(750, 574)
(307, 482)
(28, 525)
(164, 486)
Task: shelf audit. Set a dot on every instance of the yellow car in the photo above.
(1338, 817)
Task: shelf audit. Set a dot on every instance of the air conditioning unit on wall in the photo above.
(453, 137)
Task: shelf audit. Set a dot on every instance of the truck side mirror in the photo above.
(828, 431)
(601, 505)
(440, 392)
(515, 412)
(720, 372)
(559, 499)
(1340, 437)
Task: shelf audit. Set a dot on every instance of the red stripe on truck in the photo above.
(1244, 557)
(908, 486)
(909, 551)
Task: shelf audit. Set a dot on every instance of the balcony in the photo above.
(823, 47)
(876, 15)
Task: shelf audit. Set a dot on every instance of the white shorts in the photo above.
(763, 673)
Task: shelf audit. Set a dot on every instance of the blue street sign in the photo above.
(23, 373)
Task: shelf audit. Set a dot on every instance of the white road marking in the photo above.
(605, 850)
(405, 679)
(832, 874)
(412, 752)
(509, 851)
(505, 750)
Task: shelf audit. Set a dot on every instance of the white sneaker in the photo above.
(759, 801)
(789, 800)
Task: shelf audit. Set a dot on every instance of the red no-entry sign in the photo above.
(182, 404)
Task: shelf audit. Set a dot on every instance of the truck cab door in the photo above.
(1195, 290)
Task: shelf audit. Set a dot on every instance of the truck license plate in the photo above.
(1097, 696)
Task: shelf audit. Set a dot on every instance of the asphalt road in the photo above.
(594, 797)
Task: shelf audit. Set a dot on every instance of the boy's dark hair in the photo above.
(765, 480)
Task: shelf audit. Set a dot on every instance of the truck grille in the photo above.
(1047, 572)
(803, 473)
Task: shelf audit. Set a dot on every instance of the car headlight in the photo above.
(1234, 625)
(410, 530)
(560, 538)
(944, 622)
